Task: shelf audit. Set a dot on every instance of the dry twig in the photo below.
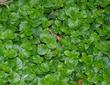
(58, 37)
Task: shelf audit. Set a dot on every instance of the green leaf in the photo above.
(71, 54)
(42, 49)
(8, 34)
(10, 53)
(48, 39)
(37, 59)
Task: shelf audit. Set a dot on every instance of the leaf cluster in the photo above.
(55, 42)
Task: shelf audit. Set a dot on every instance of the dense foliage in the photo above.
(55, 42)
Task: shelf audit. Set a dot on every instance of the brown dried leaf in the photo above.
(53, 33)
(58, 37)
(80, 82)
(3, 1)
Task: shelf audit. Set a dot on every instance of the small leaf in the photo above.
(42, 49)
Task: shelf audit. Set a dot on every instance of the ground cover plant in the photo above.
(55, 42)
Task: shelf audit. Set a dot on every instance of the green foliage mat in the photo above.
(55, 42)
